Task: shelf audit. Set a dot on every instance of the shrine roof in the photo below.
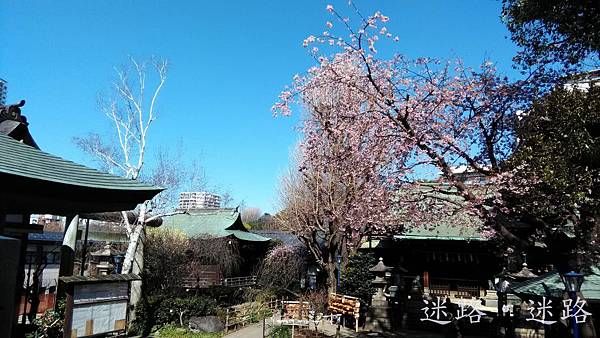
(34, 181)
(555, 287)
(215, 223)
(286, 238)
(443, 231)
(19, 159)
(100, 278)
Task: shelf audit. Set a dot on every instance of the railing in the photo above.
(239, 315)
(467, 291)
(442, 290)
(464, 289)
(235, 282)
(208, 281)
(198, 283)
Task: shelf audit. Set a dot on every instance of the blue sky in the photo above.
(229, 61)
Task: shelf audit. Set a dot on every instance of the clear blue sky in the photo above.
(229, 61)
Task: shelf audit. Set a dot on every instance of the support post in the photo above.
(67, 253)
(84, 247)
(573, 296)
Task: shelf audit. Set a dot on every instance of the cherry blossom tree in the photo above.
(339, 192)
(401, 119)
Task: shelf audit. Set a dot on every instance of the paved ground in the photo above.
(250, 331)
(256, 331)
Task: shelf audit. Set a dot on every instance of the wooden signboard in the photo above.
(345, 305)
(99, 308)
(96, 305)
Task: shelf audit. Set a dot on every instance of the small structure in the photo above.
(551, 286)
(380, 316)
(96, 305)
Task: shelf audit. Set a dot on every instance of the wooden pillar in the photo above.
(20, 273)
(68, 325)
(9, 249)
(67, 253)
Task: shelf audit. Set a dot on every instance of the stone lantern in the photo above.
(104, 259)
(380, 317)
(382, 274)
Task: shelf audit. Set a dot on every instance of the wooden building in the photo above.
(35, 182)
(449, 261)
(224, 223)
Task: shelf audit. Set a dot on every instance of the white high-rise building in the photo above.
(3, 91)
(199, 200)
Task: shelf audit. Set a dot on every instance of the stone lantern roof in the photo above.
(106, 251)
(524, 273)
(380, 267)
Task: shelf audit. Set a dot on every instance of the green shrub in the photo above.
(49, 325)
(173, 331)
(356, 279)
(156, 311)
(280, 332)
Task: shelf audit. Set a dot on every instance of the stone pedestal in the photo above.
(380, 317)
(491, 298)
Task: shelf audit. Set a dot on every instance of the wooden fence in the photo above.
(345, 305)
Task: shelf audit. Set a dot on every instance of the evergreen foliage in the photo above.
(356, 278)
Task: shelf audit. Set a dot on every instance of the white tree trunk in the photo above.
(132, 248)
(134, 240)
(137, 268)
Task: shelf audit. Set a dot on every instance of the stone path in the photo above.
(256, 331)
(250, 331)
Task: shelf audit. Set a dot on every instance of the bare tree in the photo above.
(250, 215)
(132, 110)
(207, 250)
(171, 257)
(283, 267)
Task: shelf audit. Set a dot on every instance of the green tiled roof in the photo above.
(535, 286)
(211, 223)
(443, 231)
(21, 160)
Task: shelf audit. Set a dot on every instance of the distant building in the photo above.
(3, 91)
(199, 200)
(45, 219)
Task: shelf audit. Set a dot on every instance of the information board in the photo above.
(99, 308)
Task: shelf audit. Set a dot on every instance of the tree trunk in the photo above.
(137, 268)
(331, 276)
(132, 247)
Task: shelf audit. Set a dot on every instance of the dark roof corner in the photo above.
(15, 125)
